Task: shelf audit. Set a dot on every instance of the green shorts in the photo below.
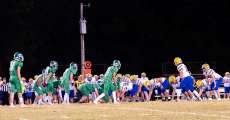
(49, 87)
(15, 85)
(108, 86)
(65, 85)
(38, 90)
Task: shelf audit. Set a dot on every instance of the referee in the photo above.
(4, 92)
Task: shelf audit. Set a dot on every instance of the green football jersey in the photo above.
(14, 66)
(66, 75)
(109, 73)
(50, 70)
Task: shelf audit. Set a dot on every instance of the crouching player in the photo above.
(175, 83)
(117, 84)
(164, 85)
(50, 76)
(38, 87)
(187, 80)
(68, 77)
(217, 79)
(202, 87)
(108, 84)
(134, 91)
(86, 91)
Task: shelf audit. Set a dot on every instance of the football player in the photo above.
(117, 84)
(50, 76)
(38, 87)
(164, 85)
(108, 84)
(175, 83)
(67, 77)
(187, 80)
(142, 88)
(226, 80)
(217, 79)
(87, 89)
(15, 78)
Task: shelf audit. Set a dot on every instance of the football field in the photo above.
(157, 110)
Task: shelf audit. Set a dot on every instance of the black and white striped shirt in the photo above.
(4, 87)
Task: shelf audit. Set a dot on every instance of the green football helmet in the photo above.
(117, 63)
(18, 56)
(73, 67)
(54, 64)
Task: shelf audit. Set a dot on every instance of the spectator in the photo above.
(29, 91)
(1, 92)
(4, 91)
(72, 91)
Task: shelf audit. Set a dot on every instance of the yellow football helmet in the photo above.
(147, 83)
(199, 83)
(177, 60)
(172, 79)
(205, 66)
(133, 77)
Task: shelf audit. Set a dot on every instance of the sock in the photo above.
(216, 95)
(146, 95)
(114, 96)
(64, 101)
(21, 100)
(49, 99)
(39, 101)
(99, 97)
(67, 97)
(45, 98)
(196, 94)
(208, 94)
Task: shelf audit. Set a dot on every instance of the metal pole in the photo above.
(82, 42)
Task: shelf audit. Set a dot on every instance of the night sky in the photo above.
(142, 34)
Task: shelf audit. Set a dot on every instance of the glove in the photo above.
(40, 88)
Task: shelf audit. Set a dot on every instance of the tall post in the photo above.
(82, 38)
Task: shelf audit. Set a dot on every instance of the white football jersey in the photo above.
(205, 83)
(211, 72)
(142, 80)
(226, 81)
(182, 68)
